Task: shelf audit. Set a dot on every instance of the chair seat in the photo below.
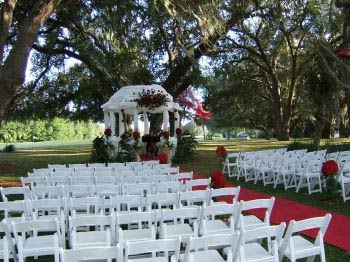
(39, 245)
(301, 246)
(251, 221)
(255, 252)
(137, 234)
(92, 238)
(179, 230)
(206, 256)
(216, 226)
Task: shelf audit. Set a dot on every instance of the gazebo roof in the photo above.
(125, 97)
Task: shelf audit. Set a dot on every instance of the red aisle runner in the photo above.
(338, 233)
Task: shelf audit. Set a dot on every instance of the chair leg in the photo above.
(311, 259)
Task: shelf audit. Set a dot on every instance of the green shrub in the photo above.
(9, 148)
(185, 150)
(216, 135)
(295, 145)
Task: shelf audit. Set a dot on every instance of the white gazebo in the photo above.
(123, 103)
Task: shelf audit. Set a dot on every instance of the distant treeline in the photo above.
(47, 130)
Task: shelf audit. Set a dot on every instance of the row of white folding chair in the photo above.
(344, 180)
(238, 246)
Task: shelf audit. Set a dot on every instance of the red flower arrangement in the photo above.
(218, 179)
(221, 151)
(136, 135)
(178, 131)
(108, 132)
(151, 99)
(165, 135)
(330, 168)
(163, 158)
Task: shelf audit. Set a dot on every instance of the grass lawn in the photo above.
(38, 155)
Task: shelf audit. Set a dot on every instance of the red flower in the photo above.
(108, 132)
(166, 135)
(178, 131)
(163, 158)
(221, 151)
(330, 168)
(136, 135)
(218, 179)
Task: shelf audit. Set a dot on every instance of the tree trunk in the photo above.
(12, 73)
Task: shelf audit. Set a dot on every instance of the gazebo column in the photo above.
(145, 123)
(177, 121)
(136, 120)
(165, 120)
(106, 119)
(121, 124)
(112, 122)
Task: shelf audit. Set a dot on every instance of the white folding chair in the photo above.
(140, 226)
(169, 171)
(211, 219)
(250, 221)
(202, 183)
(15, 193)
(231, 164)
(223, 195)
(250, 248)
(114, 253)
(181, 222)
(102, 233)
(30, 243)
(310, 177)
(103, 180)
(294, 246)
(137, 189)
(210, 248)
(153, 250)
(345, 181)
(285, 174)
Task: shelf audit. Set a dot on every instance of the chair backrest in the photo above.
(150, 162)
(189, 198)
(82, 180)
(77, 165)
(105, 190)
(64, 173)
(180, 214)
(140, 218)
(18, 193)
(133, 164)
(183, 176)
(116, 165)
(219, 241)
(169, 170)
(22, 228)
(203, 182)
(158, 201)
(91, 221)
(275, 231)
(126, 203)
(211, 212)
(156, 178)
(161, 166)
(33, 181)
(224, 194)
(157, 247)
(58, 180)
(169, 187)
(112, 180)
(76, 191)
(147, 172)
(258, 203)
(104, 171)
(17, 208)
(46, 205)
(138, 189)
(85, 205)
(83, 171)
(92, 253)
(122, 168)
(97, 165)
(46, 192)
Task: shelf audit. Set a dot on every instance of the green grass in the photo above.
(38, 155)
